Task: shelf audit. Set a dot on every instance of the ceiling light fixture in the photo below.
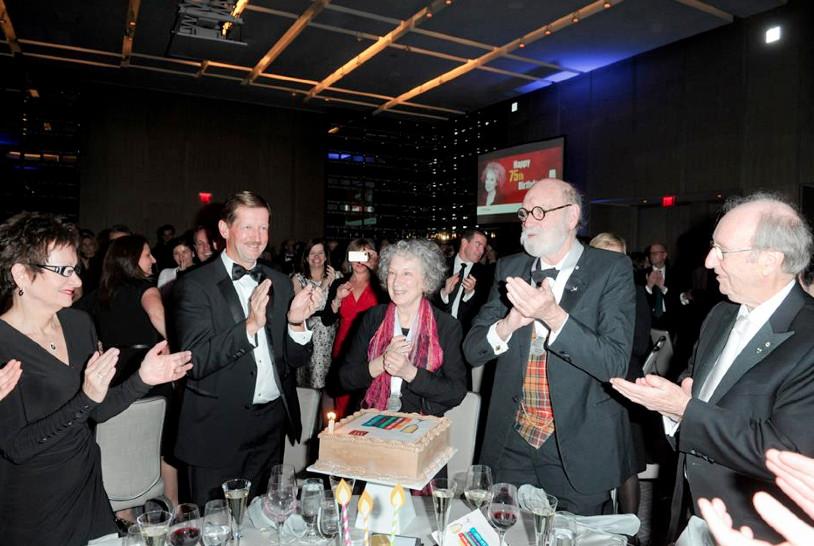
(236, 12)
(606, 5)
(548, 31)
(521, 45)
(575, 18)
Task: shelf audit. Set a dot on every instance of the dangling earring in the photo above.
(20, 292)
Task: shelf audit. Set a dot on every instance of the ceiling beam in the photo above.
(8, 30)
(706, 8)
(573, 18)
(285, 40)
(130, 31)
(378, 46)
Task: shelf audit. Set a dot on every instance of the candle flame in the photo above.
(365, 503)
(343, 493)
(397, 497)
(331, 416)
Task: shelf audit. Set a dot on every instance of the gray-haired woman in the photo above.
(407, 354)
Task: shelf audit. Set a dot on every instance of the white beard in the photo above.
(546, 241)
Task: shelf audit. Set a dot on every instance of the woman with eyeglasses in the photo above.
(50, 472)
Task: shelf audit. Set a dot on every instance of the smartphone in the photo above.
(357, 256)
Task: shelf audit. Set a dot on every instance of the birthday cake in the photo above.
(399, 446)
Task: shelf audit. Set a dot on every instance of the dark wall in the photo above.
(147, 155)
(719, 112)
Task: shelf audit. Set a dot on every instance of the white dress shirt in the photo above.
(566, 267)
(265, 386)
(460, 295)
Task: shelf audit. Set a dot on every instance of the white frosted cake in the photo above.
(401, 446)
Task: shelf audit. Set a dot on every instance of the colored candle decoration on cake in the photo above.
(343, 496)
(365, 506)
(397, 499)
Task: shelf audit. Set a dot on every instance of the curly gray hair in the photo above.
(427, 253)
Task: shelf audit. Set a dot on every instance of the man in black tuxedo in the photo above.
(560, 321)
(750, 384)
(467, 289)
(661, 288)
(246, 332)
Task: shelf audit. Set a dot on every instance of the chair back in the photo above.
(298, 454)
(130, 444)
(463, 429)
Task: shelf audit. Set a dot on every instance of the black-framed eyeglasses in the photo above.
(64, 270)
(537, 212)
(720, 253)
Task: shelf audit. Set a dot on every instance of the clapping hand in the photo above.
(258, 302)
(450, 284)
(397, 358)
(304, 304)
(656, 394)
(330, 275)
(9, 375)
(160, 366)
(469, 284)
(99, 373)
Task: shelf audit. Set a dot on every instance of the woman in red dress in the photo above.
(350, 297)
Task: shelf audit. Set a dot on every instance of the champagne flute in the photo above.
(310, 499)
(503, 509)
(236, 492)
(443, 491)
(478, 483)
(280, 502)
(216, 523)
(185, 525)
(154, 526)
(328, 518)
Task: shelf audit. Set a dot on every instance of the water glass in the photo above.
(133, 537)
(503, 509)
(154, 526)
(564, 532)
(328, 519)
(443, 493)
(478, 483)
(310, 500)
(236, 492)
(216, 528)
(544, 520)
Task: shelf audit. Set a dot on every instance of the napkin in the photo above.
(533, 499)
(474, 525)
(696, 534)
(294, 526)
(107, 540)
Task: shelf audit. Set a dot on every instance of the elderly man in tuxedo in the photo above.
(246, 332)
(559, 319)
(750, 383)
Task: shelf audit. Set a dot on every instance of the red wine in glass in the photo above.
(185, 536)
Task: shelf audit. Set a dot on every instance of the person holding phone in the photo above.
(347, 300)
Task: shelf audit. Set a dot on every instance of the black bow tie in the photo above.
(238, 271)
(539, 275)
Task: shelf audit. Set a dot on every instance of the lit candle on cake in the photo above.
(397, 499)
(343, 496)
(331, 421)
(365, 506)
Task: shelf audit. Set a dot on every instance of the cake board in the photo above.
(379, 488)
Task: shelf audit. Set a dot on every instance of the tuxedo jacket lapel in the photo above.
(708, 354)
(233, 307)
(574, 287)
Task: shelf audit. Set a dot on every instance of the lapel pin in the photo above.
(768, 343)
(759, 350)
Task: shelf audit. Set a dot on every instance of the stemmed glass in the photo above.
(544, 519)
(236, 492)
(478, 484)
(216, 523)
(280, 502)
(443, 491)
(154, 526)
(328, 519)
(503, 509)
(185, 525)
(310, 500)
(284, 471)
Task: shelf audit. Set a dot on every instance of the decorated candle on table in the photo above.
(343, 496)
(365, 506)
(331, 421)
(397, 499)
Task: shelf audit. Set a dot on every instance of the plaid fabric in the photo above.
(534, 420)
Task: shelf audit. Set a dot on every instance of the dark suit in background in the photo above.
(592, 430)
(221, 432)
(765, 400)
(467, 309)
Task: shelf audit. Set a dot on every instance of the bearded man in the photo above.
(559, 320)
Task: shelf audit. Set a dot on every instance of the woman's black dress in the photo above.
(50, 475)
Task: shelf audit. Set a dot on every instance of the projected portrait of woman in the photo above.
(493, 177)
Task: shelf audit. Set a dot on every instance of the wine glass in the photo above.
(280, 502)
(310, 500)
(154, 526)
(236, 492)
(216, 523)
(328, 518)
(443, 491)
(285, 471)
(185, 525)
(503, 509)
(478, 483)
